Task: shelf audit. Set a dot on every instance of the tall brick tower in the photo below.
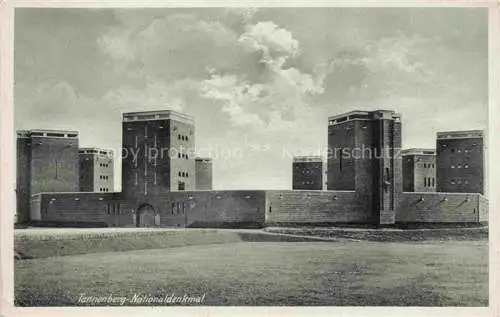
(363, 156)
(419, 170)
(307, 173)
(157, 154)
(96, 170)
(203, 173)
(460, 161)
(47, 161)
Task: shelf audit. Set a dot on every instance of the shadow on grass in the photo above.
(387, 235)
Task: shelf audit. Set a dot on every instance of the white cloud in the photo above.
(278, 100)
(276, 44)
(235, 97)
(269, 78)
(262, 93)
(275, 105)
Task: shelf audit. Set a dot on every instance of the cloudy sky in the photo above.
(260, 82)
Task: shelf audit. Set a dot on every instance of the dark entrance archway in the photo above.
(146, 216)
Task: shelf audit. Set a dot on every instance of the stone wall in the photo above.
(93, 209)
(301, 207)
(238, 209)
(251, 209)
(213, 209)
(440, 208)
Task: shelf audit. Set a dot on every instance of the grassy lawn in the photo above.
(269, 273)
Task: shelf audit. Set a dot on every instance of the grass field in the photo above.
(430, 273)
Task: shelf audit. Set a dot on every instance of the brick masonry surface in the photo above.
(96, 173)
(45, 164)
(173, 209)
(363, 190)
(362, 158)
(321, 207)
(162, 160)
(419, 173)
(72, 208)
(442, 207)
(203, 174)
(307, 175)
(250, 209)
(460, 165)
(214, 209)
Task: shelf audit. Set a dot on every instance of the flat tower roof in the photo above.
(466, 134)
(363, 115)
(48, 133)
(199, 158)
(94, 150)
(307, 158)
(418, 151)
(158, 115)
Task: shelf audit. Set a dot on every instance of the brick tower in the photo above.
(460, 161)
(363, 156)
(419, 170)
(307, 173)
(47, 161)
(157, 153)
(96, 170)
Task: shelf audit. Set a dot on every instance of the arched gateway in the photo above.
(146, 216)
